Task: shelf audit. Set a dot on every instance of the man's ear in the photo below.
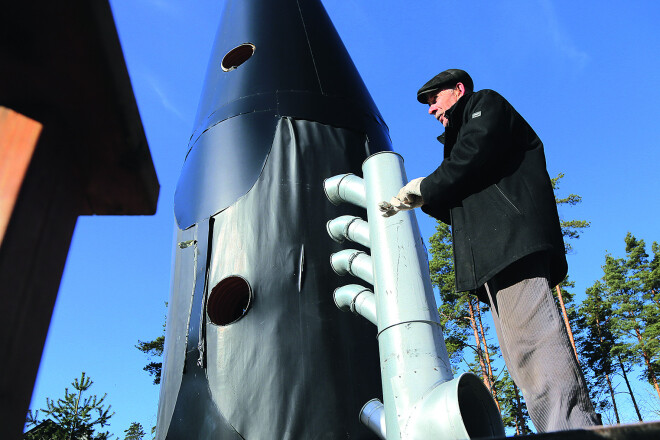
(461, 89)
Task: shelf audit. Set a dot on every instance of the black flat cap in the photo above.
(445, 80)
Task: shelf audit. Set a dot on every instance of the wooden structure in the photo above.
(71, 143)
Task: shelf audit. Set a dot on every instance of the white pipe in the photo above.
(455, 410)
(372, 415)
(420, 399)
(357, 299)
(345, 188)
(352, 261)
(349, 227)
(409, 330)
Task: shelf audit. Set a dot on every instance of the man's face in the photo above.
(440, 102)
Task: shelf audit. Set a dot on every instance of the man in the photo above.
(494, 190)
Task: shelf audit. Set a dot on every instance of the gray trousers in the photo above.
(536, 348)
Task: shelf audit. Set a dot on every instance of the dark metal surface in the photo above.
(296, 49)
(294, 354)
(300, 68)
(294, 366)
(223, 165)
(186, 409)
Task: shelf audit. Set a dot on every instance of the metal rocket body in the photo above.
(255, 346)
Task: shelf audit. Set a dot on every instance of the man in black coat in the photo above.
(494, 190)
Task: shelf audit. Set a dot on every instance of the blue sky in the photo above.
(583, 74)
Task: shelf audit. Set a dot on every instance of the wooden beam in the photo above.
(18, 138)
(32, 258)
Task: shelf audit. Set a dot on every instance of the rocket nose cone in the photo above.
(264, 47)
(271, 59)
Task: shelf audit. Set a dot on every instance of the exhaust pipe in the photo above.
(357, 263)
(348, 227)
(357, 299)
(372, 415)
(345, 188)
(455, 410)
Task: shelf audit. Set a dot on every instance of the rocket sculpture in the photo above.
(255, 347)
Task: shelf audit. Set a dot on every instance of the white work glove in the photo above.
(409, 197)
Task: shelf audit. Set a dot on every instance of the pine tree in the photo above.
(453, 305)
(652, 312)
(596, 344)
(623, 325)
(635, 313)
(134, 432)
(74, 417)
(154, 350)
(570, 229)
(514, 412)
(643, 273)
(625, 368)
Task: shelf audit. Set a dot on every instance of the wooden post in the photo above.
(18, 139)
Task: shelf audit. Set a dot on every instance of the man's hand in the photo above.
(392, 207)
(411, 194)
(409, 197)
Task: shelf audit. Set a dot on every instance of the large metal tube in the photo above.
(355, 262)
(345, 188)
(357, 299)
(349, 227)
(455, 410)
(413, 355)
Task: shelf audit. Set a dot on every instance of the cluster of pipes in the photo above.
(421, 399)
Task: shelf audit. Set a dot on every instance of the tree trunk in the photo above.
(568, 324)
(473, 323)
(517, 426)
(616, 410)
(75, 413)
(625, 377)
(607, 376)
(649, 367)
(491, 377)
(647, 360)
(520, 419)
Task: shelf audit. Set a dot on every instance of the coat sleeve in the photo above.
(483, 139)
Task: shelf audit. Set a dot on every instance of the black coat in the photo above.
(494, 190)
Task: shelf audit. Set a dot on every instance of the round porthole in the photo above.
(237, 56)
(229, 300)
